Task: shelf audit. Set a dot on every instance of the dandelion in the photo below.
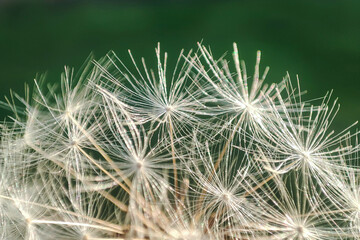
(199, 152)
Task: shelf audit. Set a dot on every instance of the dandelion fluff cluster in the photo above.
(198, 152)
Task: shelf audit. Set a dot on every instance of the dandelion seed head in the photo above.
(197, 151)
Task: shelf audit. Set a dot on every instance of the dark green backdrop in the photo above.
(319, 40)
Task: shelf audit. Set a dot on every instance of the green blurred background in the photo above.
(318, 40)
